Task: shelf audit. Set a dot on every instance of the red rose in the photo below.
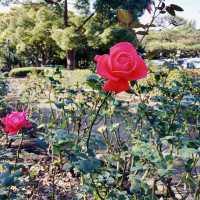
(14, 122)
(120, 66)
(116, 86)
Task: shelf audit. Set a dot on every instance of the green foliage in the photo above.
(184, 38)
(142, 145)
(28, 29)
(108, 9)
(157, 124)
(68, 38)
(37, 35)
(124, 150)
(115, 34)
(24, 71)
(83, 6)
(3, 92)
(7, 176)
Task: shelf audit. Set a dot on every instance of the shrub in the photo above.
(23, 72)
(3, 92)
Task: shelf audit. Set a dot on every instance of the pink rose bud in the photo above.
(14, 122)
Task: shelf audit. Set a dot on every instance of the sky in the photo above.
(191, 10)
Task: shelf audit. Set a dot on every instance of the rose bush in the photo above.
(14, 122)
(120, 66)
(139, 146)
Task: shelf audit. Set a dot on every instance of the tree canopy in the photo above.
(35, 34)
(28, 29)
(185, 38)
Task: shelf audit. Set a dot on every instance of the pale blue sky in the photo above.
(191, 10)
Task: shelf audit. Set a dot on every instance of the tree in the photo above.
(104, 10)
(108, 9)
(170, 21)
(63, 5)
(70, 40)
(183, 38)
(28, 29)
(44, 33)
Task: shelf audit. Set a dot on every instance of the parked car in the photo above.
(191, 63)
(185, 63)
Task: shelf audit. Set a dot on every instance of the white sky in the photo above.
(191, 10)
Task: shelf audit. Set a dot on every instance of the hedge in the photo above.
(24, 71)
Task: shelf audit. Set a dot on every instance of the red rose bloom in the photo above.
(120, 66)
(14, 122)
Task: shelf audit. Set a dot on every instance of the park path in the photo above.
(15, 89)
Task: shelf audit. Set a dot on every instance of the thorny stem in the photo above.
(197, 193)
(19, 148)
(53, 172)
(96, 188)
(16, 159)
(152, 20)
(94, 119)
(79, 129)
(50, 103)
(124, 173)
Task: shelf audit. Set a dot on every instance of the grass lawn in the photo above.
(69, 77)
(35, 82)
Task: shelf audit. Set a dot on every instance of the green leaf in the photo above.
(142, 32)
(94, 82)
(6, 179)
(189, 166)
(164, 172)
(162, 6)
(187, 152)
(135, 184)
(170, 10)
(89, 165)
(61, 137)
(67, 167)
(176, 7)
(124, 16)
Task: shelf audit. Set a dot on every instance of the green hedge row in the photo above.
(24, 71)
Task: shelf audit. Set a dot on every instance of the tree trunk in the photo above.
(71, 59)
(66, 14)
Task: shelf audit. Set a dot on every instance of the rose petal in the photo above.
(116, 86)
(14, 122)
(140, 71)
(126, 49)
(122, 61)
(103, 67)
(27, 124)
(123, 47)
